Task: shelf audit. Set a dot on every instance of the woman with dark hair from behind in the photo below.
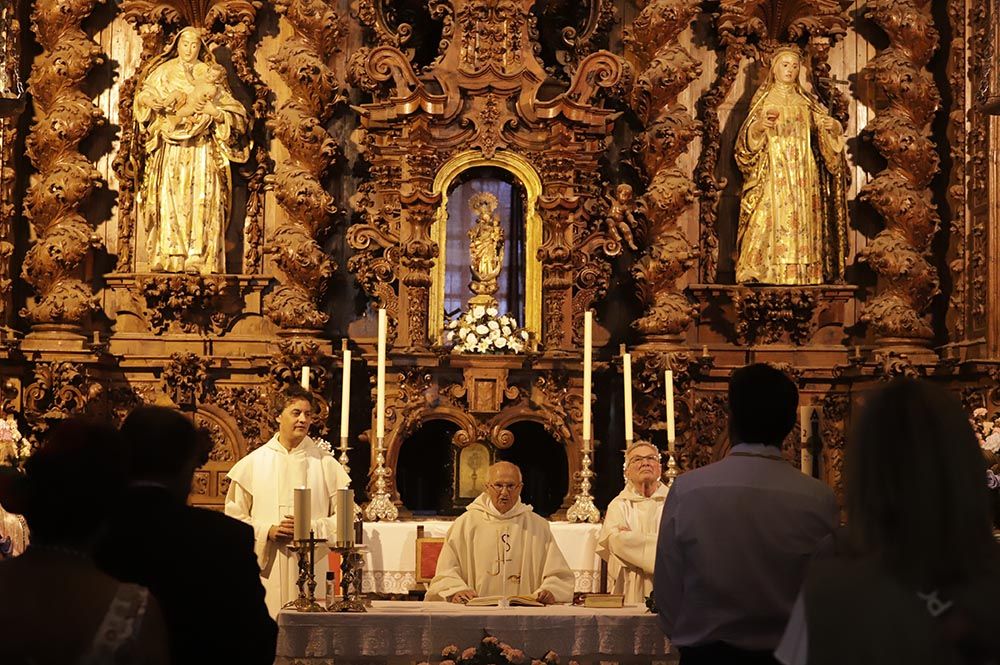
(918, 579)
(56, 606)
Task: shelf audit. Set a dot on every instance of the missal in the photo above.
(604, 600)
(490, 601)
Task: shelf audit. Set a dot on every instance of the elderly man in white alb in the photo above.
(261, 494)
(628, 537)
(499, 537)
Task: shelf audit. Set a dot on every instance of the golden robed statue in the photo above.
(191, 128)
(793, 212)
(485, 249)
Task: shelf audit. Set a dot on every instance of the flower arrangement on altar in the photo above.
(483, 329)
(14, 448)
(492, 651)
(322, 444)
(987, 430)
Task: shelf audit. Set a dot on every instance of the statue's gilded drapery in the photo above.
(192, 128)
(793, 213)
(486, 240)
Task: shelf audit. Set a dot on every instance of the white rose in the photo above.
(481, 329)
(992, 442)
(463, 331)
(471, 339)
(478, 311)
(524, 335)
(505, 329)
(493, 325)
(492, 311)
(500, 343)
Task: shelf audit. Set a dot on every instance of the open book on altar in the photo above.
(490, 601)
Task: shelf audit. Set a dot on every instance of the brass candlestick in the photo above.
(381, 506)
(672, 470)
(583, 508)
(306, 551)
(351, 563)
(343, 448)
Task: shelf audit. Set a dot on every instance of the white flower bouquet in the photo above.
(484, 330)
(987, 430)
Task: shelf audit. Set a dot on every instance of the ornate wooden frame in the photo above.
(529, 178)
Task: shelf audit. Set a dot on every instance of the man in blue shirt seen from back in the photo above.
(736, 536)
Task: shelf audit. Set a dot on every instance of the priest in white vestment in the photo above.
(500, 547)
(261, 494)
(628, 537)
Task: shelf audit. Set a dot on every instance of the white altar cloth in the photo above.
(390, 562)
(407, 631)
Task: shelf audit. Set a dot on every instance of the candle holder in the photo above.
(672, 470)
(583, 508)
(306, 551)
(351, 563)
(343, 448)
(381, 506)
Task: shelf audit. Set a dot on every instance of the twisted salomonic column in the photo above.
(666, 70)
(301, 62)
(64, 116)
(900, 193)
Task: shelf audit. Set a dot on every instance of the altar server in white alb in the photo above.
(628, 538)
(501, 538)
(262, 495)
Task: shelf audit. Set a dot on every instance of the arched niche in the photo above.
(454, 172)
(543, 463)
(424, 468)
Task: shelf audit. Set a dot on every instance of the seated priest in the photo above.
(628, 538)
(501, 547)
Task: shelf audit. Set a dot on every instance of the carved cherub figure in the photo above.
(620, 219)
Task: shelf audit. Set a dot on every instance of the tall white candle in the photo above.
(380, 383)
(345, 395)
(343, 508)
(668, 382)
(301, 512)
(627, 365)
(305, 377)
(588, 332)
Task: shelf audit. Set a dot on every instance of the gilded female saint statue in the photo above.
(485, 249)
(192, 129)
(793, 212)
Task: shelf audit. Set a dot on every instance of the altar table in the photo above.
(390, 564)
(408, 632)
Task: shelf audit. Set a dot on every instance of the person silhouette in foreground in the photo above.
(916, 580)
(56, 606)
(199, 564)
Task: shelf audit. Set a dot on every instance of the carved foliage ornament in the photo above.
(766, 316)
(297, 182)
(64, 116)
(666, 69)
(188, 303)
(185, 378)
(900, 193)
(60, 390)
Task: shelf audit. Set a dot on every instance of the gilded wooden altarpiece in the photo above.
(361, 124)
